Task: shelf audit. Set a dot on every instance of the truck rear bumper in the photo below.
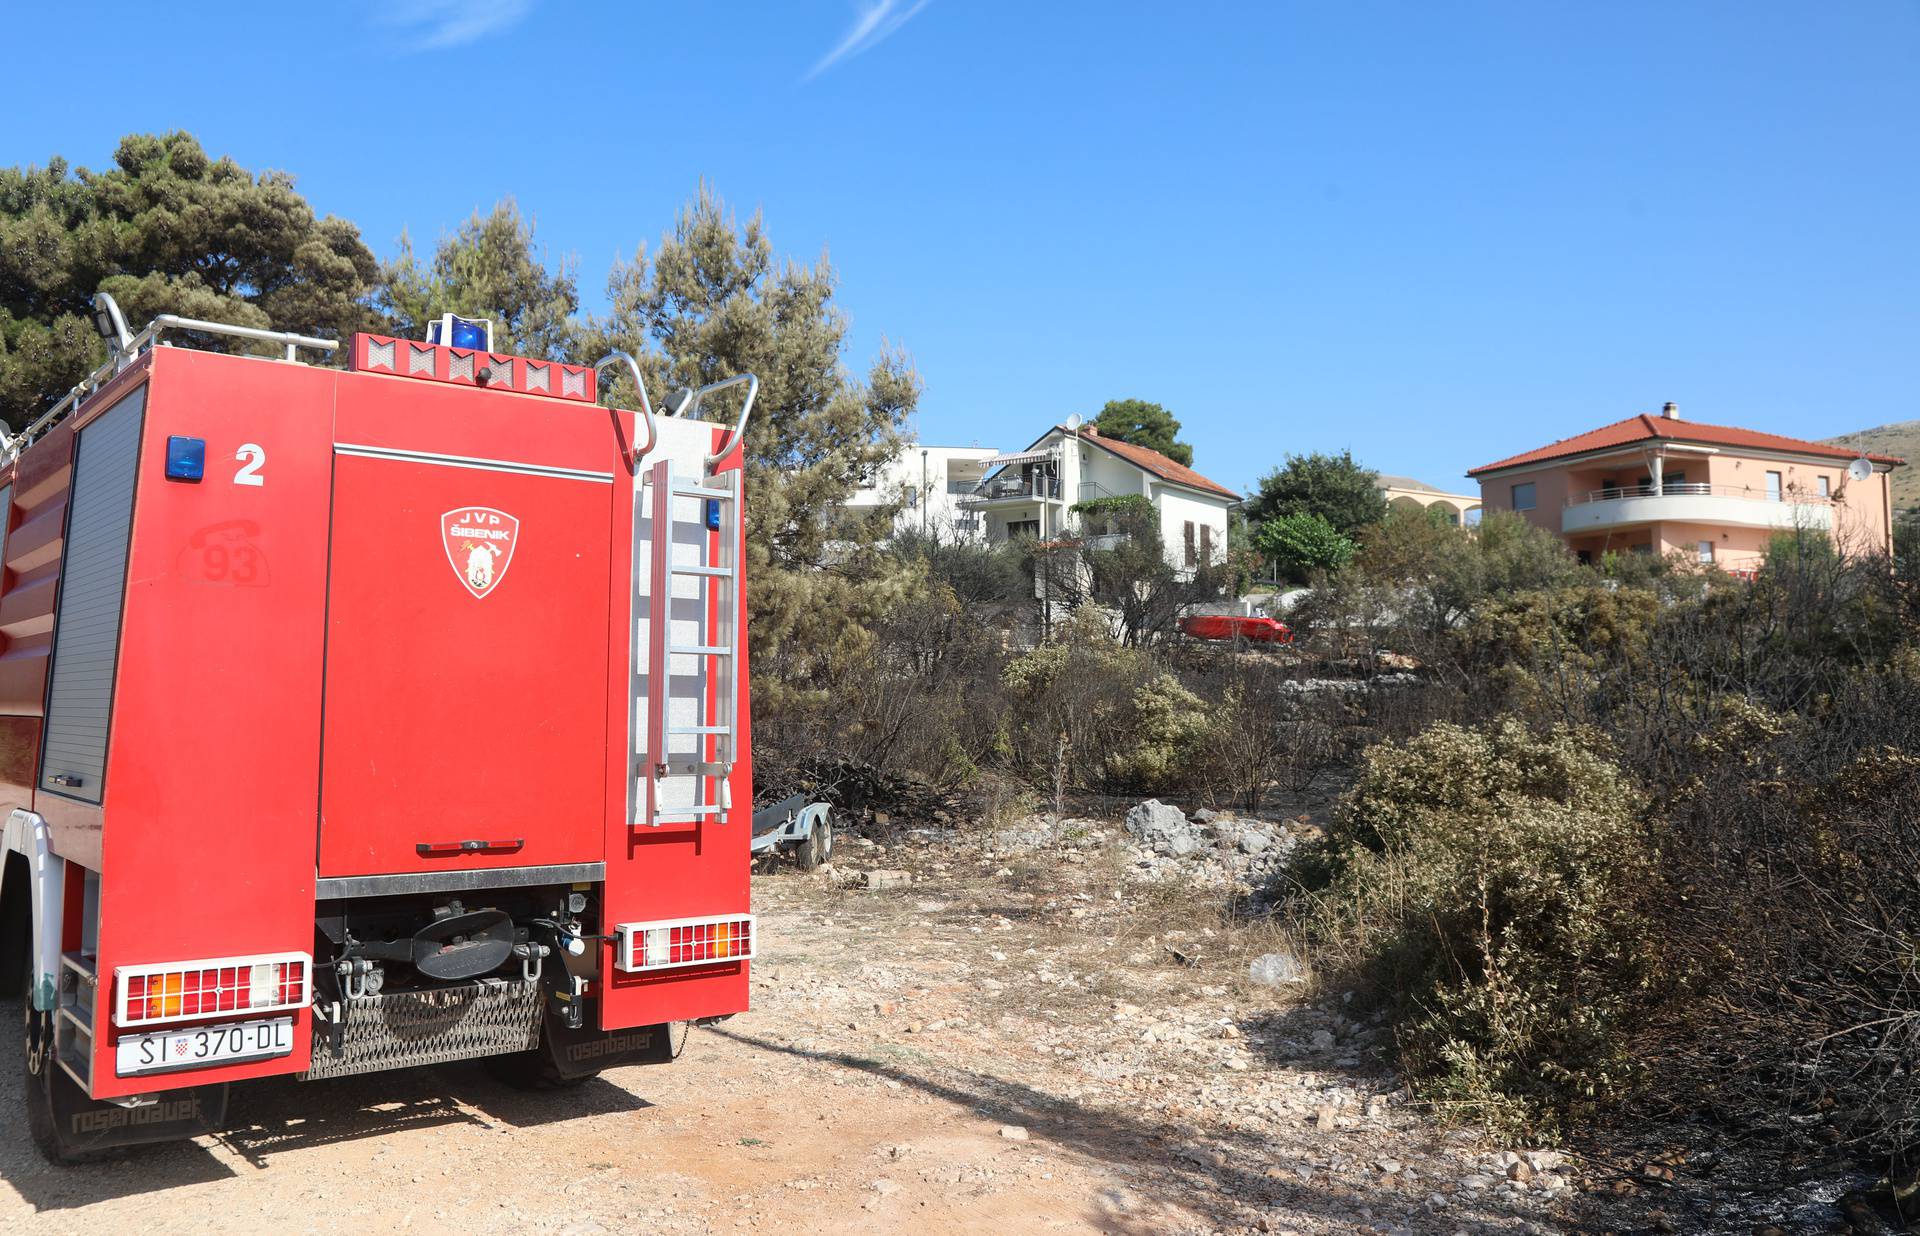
(403, 1029)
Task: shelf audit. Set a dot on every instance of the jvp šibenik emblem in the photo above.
(479, 543)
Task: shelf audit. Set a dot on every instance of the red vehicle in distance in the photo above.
(1237, 627)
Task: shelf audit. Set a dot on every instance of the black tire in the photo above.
(16, 922)
(41, 1075)
(818, 846)
(533, 1070)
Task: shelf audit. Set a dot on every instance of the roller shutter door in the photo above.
(93, 582)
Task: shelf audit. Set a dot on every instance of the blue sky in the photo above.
(1433, 233)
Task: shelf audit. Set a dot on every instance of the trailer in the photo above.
(361, 718)
(800, 828)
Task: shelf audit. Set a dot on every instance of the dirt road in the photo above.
(992, 1049)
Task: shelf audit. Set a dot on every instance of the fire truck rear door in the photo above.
(467, 663)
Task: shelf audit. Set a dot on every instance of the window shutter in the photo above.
(1189, 539)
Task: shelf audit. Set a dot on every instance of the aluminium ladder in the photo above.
(703, 719)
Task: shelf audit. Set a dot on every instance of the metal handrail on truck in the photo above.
(639, 384)
(123, 351)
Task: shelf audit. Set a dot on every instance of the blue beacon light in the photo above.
(186, 458)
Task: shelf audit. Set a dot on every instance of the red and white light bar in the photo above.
(221, 986)
(668, 944)
(473, 367)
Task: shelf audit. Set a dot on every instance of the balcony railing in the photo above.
(1001, 488)
(1676, 489)
(1695, 502)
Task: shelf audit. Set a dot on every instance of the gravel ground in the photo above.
(1049, 1038)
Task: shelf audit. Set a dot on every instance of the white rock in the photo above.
(1276, 970)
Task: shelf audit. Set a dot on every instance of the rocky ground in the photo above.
(1054, 1029)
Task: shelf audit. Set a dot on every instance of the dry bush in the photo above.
(1089, 712)
(1485, 886)
(1774, 731)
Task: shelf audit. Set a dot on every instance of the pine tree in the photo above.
(490, 268)
(714, 302)
(165, 230)
(1144, 424)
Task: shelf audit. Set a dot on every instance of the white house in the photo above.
(928, 483)
(1032, 492)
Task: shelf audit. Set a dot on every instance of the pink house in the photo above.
(1660, 484)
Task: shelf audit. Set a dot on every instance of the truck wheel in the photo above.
(532, 1070)
(818, 846)
(42, 1075)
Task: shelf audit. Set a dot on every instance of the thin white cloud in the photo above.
(428, 25)
(877, 20)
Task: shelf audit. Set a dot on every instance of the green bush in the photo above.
(1302, 544)
(1167, 737)
(1485, 885)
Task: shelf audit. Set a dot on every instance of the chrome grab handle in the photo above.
(646, 407)
(692, 404)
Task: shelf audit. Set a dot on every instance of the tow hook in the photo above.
(532, 959)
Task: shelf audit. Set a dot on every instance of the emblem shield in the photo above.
(479, 542)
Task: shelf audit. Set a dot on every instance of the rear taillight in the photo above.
(184, 990)
(684, 942)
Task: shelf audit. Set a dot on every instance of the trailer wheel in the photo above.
(818, 846)
(42, 1075)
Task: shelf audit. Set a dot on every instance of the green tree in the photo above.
(1333, 487)
(165, 230)
(488, 269)
(713, 303)
(1144, 424)
(1303, 543)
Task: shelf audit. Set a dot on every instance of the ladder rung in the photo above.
(701, 729)
(700, 491)
(700, 650)
(703, 809)
(690, 569)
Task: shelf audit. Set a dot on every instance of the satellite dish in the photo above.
(1860, 469)
(1073, 421)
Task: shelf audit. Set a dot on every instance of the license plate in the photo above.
(196, 1046)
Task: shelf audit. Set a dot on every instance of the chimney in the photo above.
(1671, 411)
(1092, 431)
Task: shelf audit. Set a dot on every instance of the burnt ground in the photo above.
(1046, 1041)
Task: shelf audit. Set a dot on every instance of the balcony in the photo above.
(1014, 489)
(1692, 503)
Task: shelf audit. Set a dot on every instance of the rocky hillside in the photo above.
(1901, 438)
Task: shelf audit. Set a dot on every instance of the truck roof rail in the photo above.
(122, 351)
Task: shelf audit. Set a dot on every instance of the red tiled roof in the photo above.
(1646, 428)
(1150, 460)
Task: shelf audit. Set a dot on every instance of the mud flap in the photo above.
(89, 1125)
(586, 1051)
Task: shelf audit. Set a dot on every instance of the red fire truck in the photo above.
(363, 718)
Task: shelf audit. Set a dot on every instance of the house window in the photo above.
(1206, 544)
(1523, 497)
(1773, 487)
(1820, 486)
(1190, 547)
(1706, 552)
(1023, 527)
